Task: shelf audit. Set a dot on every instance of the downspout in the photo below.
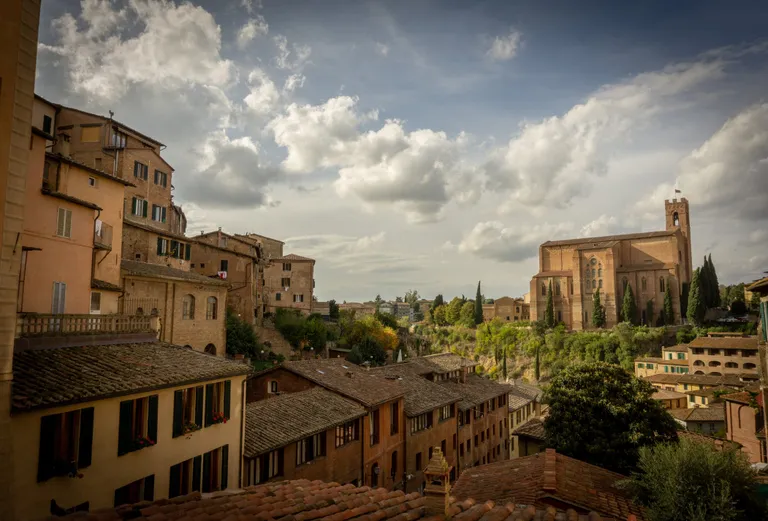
(242, 436)
(362, 450)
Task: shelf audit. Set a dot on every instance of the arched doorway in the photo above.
(375, 475)
(210, 349)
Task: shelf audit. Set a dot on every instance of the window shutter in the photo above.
(206, 472)
(55, 300)
(197, 463)
(124, 430)
(152, 418)
(188, 253)
(144, 208)
(68, 223)
(85, 449)
(763, 318)
(178, 414)
(174, 248)
(62, 297)
(134, 211)
(208, 404)
(159, 246)
(146, 172)
(60, 223)
(157, 175)
(199, 405)
(135, 169)
(45, 454)
(224, 466)
(149, 488)
(174, 489)
(227, 397)
(163, 209)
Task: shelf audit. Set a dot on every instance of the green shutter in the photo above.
(174, 248)
(152, 418)
(227, 397)
(224, 466)
(124, 431)
(144, 209)
(149, 488)
(156, 176)
(188, 252)
(45, 454)
(199, 405)
(135, 169)
(133, 206)
(163, 211)
(85, 446)
(196, 464)
(208, 405)
(207, 472)
(159, 246)
(178, 414)
(763, 318)
(174, 489)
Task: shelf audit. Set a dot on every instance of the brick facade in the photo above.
(140, 244)
(298, 272)
(287, 382)
(485, 438)
(419, 446)
(742, 424)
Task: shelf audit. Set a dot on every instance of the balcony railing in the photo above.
(102, 236)
(38, 324)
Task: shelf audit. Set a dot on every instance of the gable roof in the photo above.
(718, 443)
(293, 257)
(709, 392)
(749, 342)
(662, 361)
(158, 271)
(290, 417)
(421, 395)
(250, 236)
(442, 363)
(696, 379)
(715, 413)
(609, 238)
(202, 243)
(45, 378)
(533, 428)
(679, 348)
(104, 118)
(475, 390)
(146, 227)
(537, 479)
(89, 169)
(664, 394)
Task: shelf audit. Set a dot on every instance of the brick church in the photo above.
(649, 262)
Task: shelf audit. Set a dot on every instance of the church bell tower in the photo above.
(679, 217)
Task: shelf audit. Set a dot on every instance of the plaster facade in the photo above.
(507, 309)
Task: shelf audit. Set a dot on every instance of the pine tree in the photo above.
(478, 306)
(715, 284)
(549, 314)
(629, 308)
(649, 313)
(696, 306)
(598, 310)
(668, 313)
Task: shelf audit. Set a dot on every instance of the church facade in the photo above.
(649, 262)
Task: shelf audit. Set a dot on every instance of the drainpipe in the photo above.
(362, 450)
(242, 437)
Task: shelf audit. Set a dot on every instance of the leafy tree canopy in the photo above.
(333, 310)
(241, 338)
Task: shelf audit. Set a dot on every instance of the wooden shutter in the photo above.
(60, 223)
(45, 453)
(85, 448)
(67, 223)
(208, 404)
(135, 169)
(157, 175)
(224, 466)
(160, 245)
(227, 397)
(152, 418)
(188, 252)
(149, 488)
(124, 430)
(163, 211)
(174, 488)
(199, 405)
(197, 463)
(134, 211)
(144, 207)
(207, 472)
(178, 414)
(174, 248)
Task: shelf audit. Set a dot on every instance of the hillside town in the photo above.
(152, 372)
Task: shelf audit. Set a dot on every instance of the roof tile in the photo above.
(476, 390)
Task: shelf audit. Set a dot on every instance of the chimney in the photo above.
(438, 488)
(61, 145)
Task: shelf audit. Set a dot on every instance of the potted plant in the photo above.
(218, 417)
(141, 441)
(190, 427)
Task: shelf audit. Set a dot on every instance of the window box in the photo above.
(187, 411)
(138, 424)
(218, 417)
(217, 402)
(189, 428)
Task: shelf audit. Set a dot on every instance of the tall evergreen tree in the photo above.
(649, 313)
(629, 307)
(504, 363)
(714, 283)
(696, 306)
(478, 306)
(598, 310)
(668, 313)
(549, 313)
(705, 286)
(684, 299)
(537, 367)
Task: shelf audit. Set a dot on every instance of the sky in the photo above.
(428, 144)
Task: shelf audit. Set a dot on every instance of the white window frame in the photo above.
(64, 223)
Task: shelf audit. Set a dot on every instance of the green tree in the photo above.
(504, 363)
(386, 319)
(714, 284)
(754, 302)
(602, 414)
(598, 310)
(438, 316)
(333, 310)
(549, 312)
(453, 310)
(368, 350)
(378, 301)
(696, 306)
(467, 314)
(649, 313)
(694, 481)
(537, 363)
(684, 293)
(435, 304)
(292, 326)
(241, 338)
(418, 316)
(704, 289)
(316, 334)
(668, 312)
(628, 306)
(478, 306)
(411, 296)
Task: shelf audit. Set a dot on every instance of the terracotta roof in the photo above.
(158, 271)
(760, 284)
(696, 379)
(660, 360)
(293, 257)
(304, 500)
(476, 390)
(742, 397)
(89, 169)
(290, 417)
(516, 401)
(663, 394)
(67, 375)
(104, 285)
(421, 395)
(679, 348)
(367, 387)
(199, 242)
(442, 363)
(69, 198)
(715, 413)
(521, 388)
(548, 476)
(718, 443)
(533, 428)
(709, 392)
(622, 237)
(250, 236)
(749, 342)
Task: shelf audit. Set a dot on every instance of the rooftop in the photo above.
(290, 417)
(521, 388)
(679, 348)
(442, 363)
(760, 286)
(158, 271)
(664, 394)
(421, 395)
(710, 392)
(293, 257)
(114, 121)
(696, 379)
(548, 476)
(749, 342)
(54, 377)
(715, 413)
(127, 220)
(659, 360)
(608, 238)
(517, 400)
(534, 428)
(476, 390)
(369, 388)
(744, 397)
(718, 443)
(250, 236)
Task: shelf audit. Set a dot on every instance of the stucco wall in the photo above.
(301, 275)
(108, 471)
(741, 427)
(141, 245)
(422, 441)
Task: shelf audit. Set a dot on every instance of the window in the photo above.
(224, 265)
(138, 424)
(675, 219)
(286, 266)
(374, 427)
(443, 446)
(92, 181)
(211, 308)
(394, 418)
(140, 170)
(661, 285)
(593, 261)
(543, 289)
(140, 490)
(66, 441)
(272, 387)
(347, 433)
(593, 272)
(298, 298)
(310, 448)
(278, 297)
(393, 465)
(95, 302)
(418, 459)
(185, 477)
(643, 283)
(187, 411)
(454, 442)
(59, 299)
(594, 284)
(560, 315)
(557, 288)
(158, 213)
(477, 442)
(600, 284)
(217, 402)
(90, 134)
(285, 282)
(421, 422)
(446, 412)
(161, 178)
(139, 207)
(586, 273)
(264, 468)
(188, 307)
(118, 139)
(64, 223)
(47, 122)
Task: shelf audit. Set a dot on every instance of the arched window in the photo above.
(593, 272)
(643, 283)
(594, 284)
(661, 284)
(188, 307)
(557, 288)
(675, 219)
(600, 284)
(210, 349)
(210, 309)
(586, 273)
(748, 366)
(599, 272)
(731, 365)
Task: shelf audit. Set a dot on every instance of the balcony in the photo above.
(102, 236)
(40, 324)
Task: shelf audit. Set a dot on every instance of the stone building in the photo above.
(524, 407)
(717, 354)
(745, 423)
(507, 309)
(649, 262)
(705, 420)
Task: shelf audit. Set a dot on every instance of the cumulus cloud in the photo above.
(382, 49)
(290, 59)
(603, 225)
(505, 47)
(263, 97)
(492, 240)
(253, 28)
(176, 45)
(293, 82)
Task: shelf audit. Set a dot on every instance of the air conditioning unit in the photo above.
(222, 274)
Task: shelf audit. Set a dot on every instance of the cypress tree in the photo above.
(504, 364)
(549, 313)
(704, 282)
(598, 310)
(684, 299)
(537, 367)
(649, 313)
(629, 307)
(478, 306)
(696, 306)
(668, 313)
(714, 283)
